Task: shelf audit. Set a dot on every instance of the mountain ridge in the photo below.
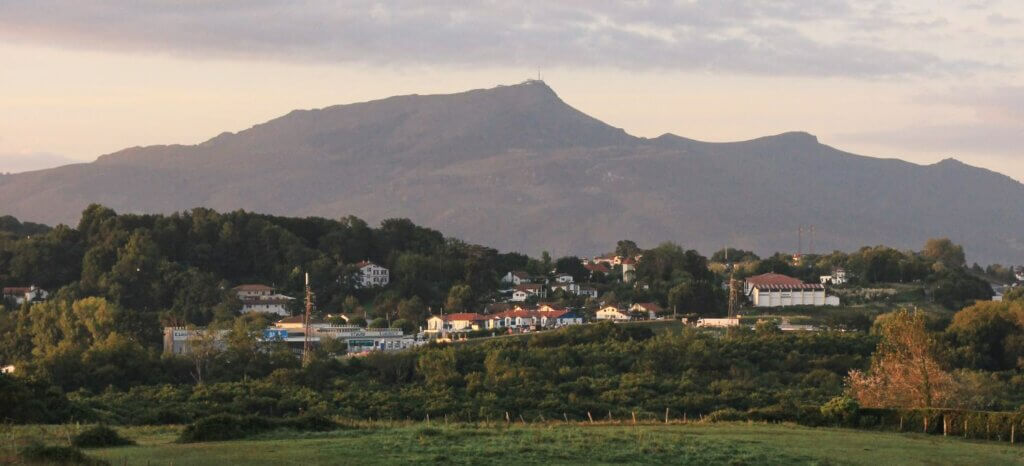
(518, 168)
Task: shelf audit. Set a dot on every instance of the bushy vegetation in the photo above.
(231, 427)
(100, 436)
(37, 453)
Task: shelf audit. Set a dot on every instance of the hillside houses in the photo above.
(372, 275)
(526, 290)
(613, 313)
(24, 294)
(461, 322)
(261, 298)
(651, 310)
(516, 278)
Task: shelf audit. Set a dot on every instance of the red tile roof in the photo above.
(472, 316)
(252, 287)
(774, 279)
(593, 267)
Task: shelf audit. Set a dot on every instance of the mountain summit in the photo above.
(518, 168)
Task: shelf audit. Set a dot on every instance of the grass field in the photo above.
(722, 443)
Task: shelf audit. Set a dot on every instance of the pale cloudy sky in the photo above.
(919, 80)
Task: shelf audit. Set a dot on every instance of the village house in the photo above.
(573, 288)
(516, 278)
(372, 275)
(838, 277)
(524, 291)
(559, 318)
(563, 278)
(261, 298)
(719, 323)
(651, 310)
(23, 294)
(613, 313)
(514, 319)
(611, 259)
(462, 322)
(777, 290)
(588, 291)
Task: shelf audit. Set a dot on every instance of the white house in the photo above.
(253, 291)
(261, 298)
(613, 313)
(372, 275)
(719, 323)
(559, 318)
(524, 291)
(463, 322)
(563, 278)
(650, 309)
(588, 291)
(776, 290)
(570, 287)
(22, 294)
(516, 278)
(838, 277)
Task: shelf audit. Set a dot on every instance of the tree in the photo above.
(572, 266)
(460, 298)
(413, 310)
(627, 248)
(904, 373)
(943, 250)
(989, 335)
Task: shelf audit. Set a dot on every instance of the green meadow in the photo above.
(693, 443)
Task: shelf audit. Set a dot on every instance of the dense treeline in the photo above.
(939, 267)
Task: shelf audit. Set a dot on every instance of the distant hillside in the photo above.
(517, 168)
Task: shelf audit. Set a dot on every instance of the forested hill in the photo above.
(517, 168)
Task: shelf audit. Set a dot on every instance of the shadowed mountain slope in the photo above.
(517, 168)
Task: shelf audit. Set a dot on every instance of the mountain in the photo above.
(517, 168)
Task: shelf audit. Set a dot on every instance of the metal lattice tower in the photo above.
(307, 344)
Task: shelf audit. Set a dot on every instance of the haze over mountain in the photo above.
(517, 168)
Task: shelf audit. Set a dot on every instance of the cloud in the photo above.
(787, 38)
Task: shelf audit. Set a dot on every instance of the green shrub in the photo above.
(728, 414)
(841, 409)
(46, 454)
(230, 427)
(99, 437)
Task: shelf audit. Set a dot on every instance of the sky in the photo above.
(917, 80)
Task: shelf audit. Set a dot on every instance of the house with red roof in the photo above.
(22, 294)
(461, 322)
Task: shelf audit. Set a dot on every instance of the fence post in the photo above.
(666, 415)
(1013, 433)
(901, 423)
(965, 427)
(428, 419)
(590, 417)
(684, 417)
(507, 418)
(634, 418)
(945, 425)
(926, 423)
(565, 416)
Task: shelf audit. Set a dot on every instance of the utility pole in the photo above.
(307, 345)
